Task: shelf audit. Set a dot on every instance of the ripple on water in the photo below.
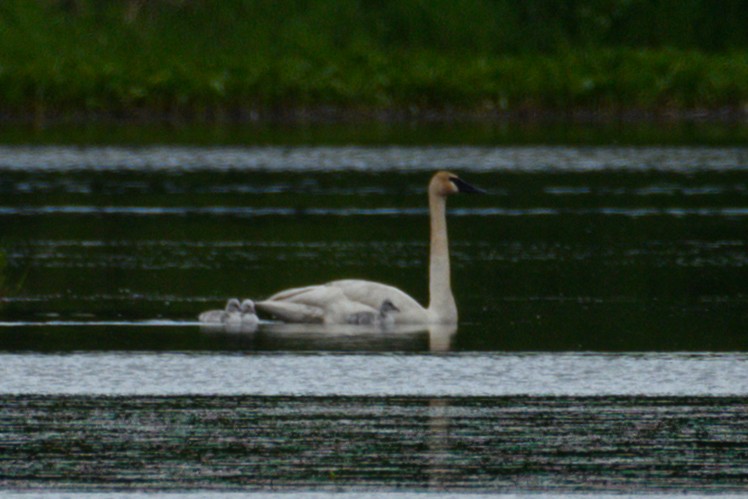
(353, 444)
(563, 374)
(468, 158)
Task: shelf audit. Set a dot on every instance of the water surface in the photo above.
(570, 444)
(376, 375)
(603, 296)
(590, 248)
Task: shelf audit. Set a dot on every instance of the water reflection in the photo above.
(440, 473)
(321, 337)
(441, 336)
(489, 444)
(229, 328)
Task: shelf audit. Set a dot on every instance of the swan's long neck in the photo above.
(442, 304)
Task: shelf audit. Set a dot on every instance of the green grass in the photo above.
(199, 60)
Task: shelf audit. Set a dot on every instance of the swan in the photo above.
(232, 313)
(324, 303)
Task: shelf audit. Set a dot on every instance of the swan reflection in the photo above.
(397, 337)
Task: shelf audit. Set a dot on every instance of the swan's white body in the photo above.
(333, 302)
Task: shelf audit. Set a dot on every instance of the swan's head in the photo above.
(387, 307)
(248, 306)
(233, 305)
(446, 183)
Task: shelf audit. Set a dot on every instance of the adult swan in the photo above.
(336, 301)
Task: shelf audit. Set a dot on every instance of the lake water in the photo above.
(602, 344)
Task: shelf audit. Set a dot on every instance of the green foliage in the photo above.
(191, 56)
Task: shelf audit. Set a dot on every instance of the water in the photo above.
(603, 296)
(382, 375)
(602, 444)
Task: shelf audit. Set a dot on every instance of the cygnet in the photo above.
(383, 317)
(248, 314)
(232, 313)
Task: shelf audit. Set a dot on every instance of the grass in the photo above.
(199, 60)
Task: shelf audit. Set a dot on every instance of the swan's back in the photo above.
(335, 301)
(314, 296)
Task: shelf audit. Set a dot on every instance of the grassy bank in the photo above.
(243, 60)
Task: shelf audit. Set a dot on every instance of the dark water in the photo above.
(600, 444)
(603, 296)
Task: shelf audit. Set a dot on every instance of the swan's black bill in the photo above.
(463, 186)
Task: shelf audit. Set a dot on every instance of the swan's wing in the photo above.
(335, 301)
(313, 304)
(291, 312)
(373, 294)
(313, 296)
(289, 294)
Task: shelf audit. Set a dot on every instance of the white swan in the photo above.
(335, 301)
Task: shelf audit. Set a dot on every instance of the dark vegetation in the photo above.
(245, 60)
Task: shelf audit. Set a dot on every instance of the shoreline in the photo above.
(341, 115)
